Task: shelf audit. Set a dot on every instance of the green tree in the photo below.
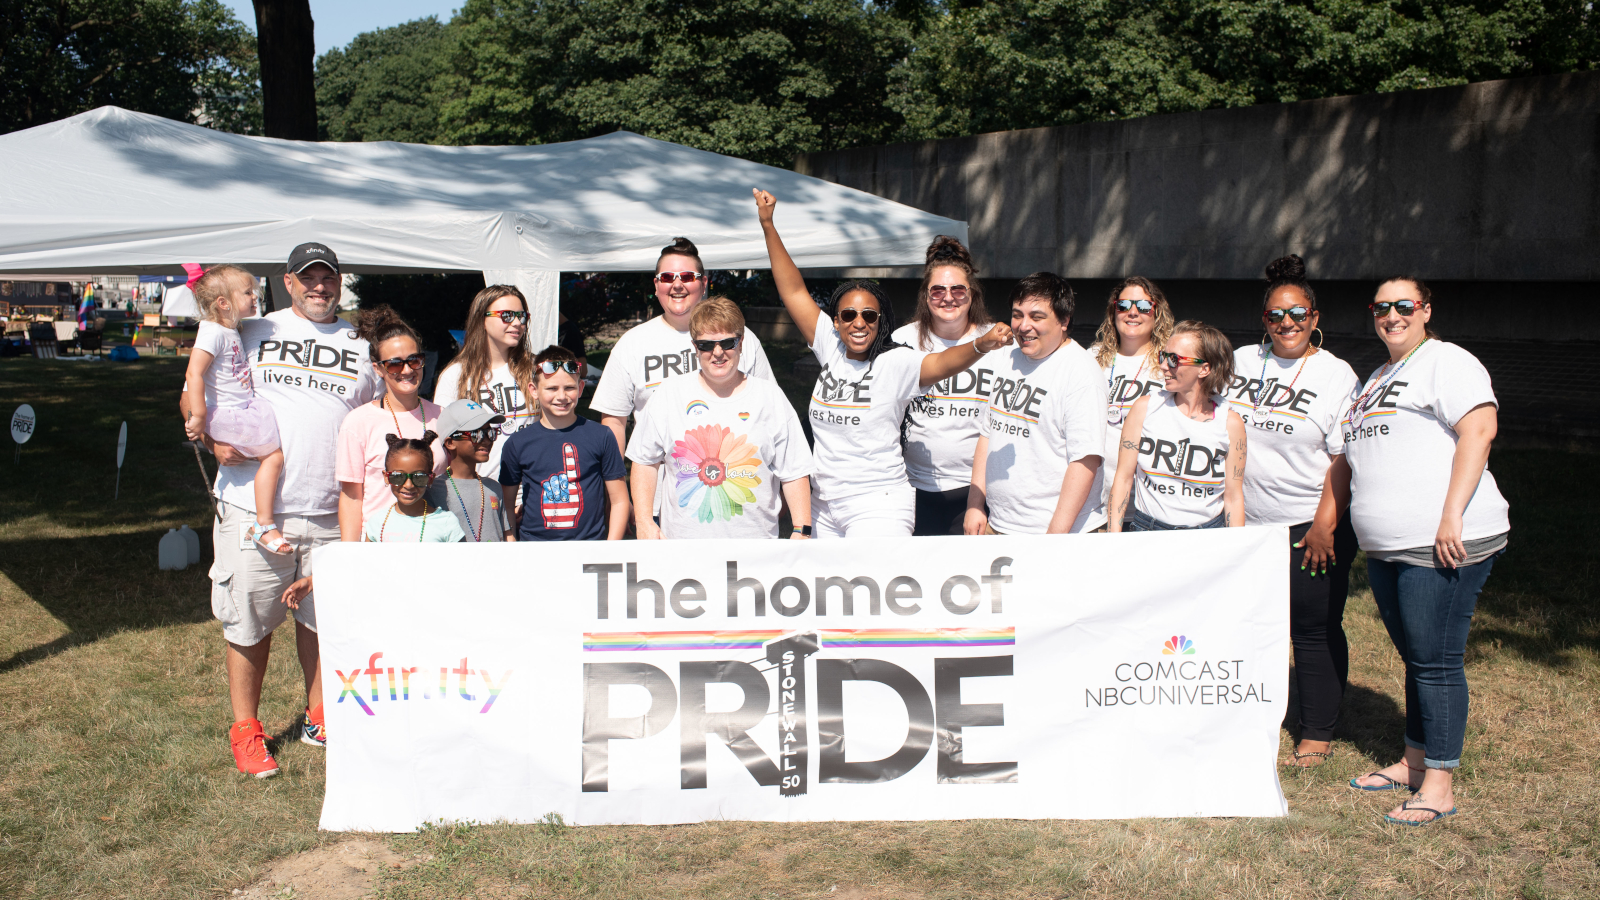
(189, 60)
(1026, 63)
(761, 79)
(380, 87)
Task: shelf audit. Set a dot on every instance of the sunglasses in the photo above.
(848, 315)
(400, 364)
(955, 291)
(483, 435)
(420, 479)
(706, 346)
(685, 277)
(1297, 313)
(508, 316)
(1173, 360)
(1143, 306)
(550, 366)
(1404, 307)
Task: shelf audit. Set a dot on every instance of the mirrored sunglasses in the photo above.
(420, 479)
(508, 316)
(1173, 360)
(1297, 313)
(1403, 307)
(1143, 306)
(485, 434)
(685, 277)
(551, 366)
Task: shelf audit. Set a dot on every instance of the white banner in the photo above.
(656, 682)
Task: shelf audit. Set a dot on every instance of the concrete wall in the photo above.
(1494, 181)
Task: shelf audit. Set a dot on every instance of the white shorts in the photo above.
(248, 581)
(887, 512)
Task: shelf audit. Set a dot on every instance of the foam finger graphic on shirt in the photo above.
(561, 502)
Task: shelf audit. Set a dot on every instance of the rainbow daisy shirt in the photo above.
(715, 473)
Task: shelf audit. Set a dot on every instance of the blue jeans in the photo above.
(1138, 520)
(1427, 612)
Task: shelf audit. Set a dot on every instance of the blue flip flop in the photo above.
(1437, 815)
(1391, 786)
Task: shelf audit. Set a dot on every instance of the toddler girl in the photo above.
(230, 411)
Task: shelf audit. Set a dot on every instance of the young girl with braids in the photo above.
(396, 352)
(860, 487)
(942, 430)
(1290, 393)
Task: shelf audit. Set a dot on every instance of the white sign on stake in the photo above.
(659, 682)
(22, 425)
(122, 449)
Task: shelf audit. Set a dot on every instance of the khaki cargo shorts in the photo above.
(247, 581)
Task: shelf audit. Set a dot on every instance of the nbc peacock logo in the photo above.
(1177, 645)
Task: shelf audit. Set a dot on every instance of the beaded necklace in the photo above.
(394, 506)
(384, 402)
(1266, 357)
(1375, 391)
(483, 501)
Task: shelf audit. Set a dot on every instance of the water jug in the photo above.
(192, 541)
(173, 553)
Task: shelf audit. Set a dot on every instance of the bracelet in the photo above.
(802, 530)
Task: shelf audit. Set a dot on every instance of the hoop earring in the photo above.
(1265, 339)
(1314, 333)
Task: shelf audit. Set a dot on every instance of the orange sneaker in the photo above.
(312, 729)
(250, 749)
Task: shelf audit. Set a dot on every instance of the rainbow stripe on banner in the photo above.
(877, 638)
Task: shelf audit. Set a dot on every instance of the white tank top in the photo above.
(1181, 464)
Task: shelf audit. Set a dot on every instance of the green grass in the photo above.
(116, 781)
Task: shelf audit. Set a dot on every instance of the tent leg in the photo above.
(543, 290)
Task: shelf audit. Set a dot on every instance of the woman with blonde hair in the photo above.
(940, 430)
(1183, 451)
(495, 366)
(1137, 324)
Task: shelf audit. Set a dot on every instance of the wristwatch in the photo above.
(804, 530)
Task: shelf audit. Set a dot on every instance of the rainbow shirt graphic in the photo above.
(715, 469)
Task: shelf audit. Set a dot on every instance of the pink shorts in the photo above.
(252, 430)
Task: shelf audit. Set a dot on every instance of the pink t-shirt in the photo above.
(362, 448)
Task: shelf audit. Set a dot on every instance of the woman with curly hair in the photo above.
(1138, 322)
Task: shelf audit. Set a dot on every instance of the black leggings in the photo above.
(940, 512)
(1316, 627)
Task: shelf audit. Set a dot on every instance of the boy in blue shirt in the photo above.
(574, 485)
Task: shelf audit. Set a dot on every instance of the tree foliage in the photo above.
(380, 87)
(190, 60)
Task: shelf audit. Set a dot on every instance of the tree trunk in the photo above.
(285, 45)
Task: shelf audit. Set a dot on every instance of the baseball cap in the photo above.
(312, 252)
(466, 415)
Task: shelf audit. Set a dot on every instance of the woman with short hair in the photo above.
(942, 425)
(495, 366)
(1432, 521)
(1182, 451)
(860, 488)
(1290, 393)
(726, 443)
(1137, 324)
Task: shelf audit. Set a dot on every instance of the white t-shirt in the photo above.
(501, 394)
(855, 410)
(1042, 415)
(648, 355)
(725, 459)
(227, 379)
(1402, 445)
(946, 418)
(313, 374)
(1127, 379)
(1182, 464)
(1294, 428)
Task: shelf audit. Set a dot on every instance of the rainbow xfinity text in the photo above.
(395, 683)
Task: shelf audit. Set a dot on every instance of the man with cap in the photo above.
(469, 430)
(310, 366)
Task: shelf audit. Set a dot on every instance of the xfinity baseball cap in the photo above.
(466, 415)
(312, 252)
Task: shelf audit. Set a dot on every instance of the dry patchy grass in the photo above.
(115, 779)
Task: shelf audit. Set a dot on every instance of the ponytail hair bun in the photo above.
(682, 246)
(382, 323)
(1288, 271)
(948, 251)
(423, 445)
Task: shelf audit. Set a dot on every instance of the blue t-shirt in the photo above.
(563, 475)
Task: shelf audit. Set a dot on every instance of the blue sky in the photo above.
(338, 21)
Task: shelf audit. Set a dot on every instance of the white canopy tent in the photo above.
(117, 191)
